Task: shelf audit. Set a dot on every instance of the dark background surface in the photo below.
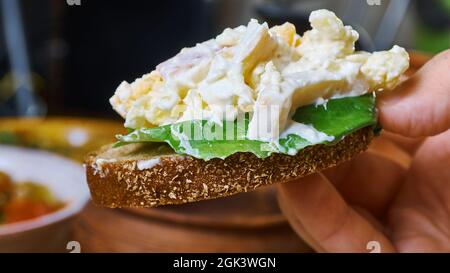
(125, 39)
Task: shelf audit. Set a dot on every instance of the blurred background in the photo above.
(69, 59)
(60, 62)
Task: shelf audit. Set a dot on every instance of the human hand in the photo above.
(401, 201)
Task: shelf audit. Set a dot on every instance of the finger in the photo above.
(420, 106)
(315, 209)
(384, 147)
(420, 219)
(408, 144)
(298, 227)
(370, 181)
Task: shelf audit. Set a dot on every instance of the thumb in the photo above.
(420, 106)
(319, 214)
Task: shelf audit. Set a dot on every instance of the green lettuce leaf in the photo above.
(336, 118)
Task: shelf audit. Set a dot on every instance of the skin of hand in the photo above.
(399, 207)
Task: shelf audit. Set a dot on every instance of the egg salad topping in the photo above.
(259, 70)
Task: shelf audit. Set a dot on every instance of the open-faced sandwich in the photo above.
(252, 107)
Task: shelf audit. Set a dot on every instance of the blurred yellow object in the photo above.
(7, 88)
(71, 137)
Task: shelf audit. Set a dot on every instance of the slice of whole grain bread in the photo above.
(148, 175)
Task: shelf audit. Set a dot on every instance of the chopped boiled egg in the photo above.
(257, 69)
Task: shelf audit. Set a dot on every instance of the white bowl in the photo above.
(64, 178)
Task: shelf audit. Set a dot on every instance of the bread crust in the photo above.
(130, 177)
